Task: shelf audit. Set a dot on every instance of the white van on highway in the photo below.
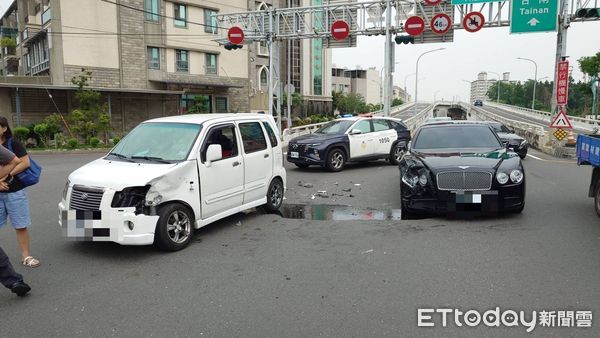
(172, 175)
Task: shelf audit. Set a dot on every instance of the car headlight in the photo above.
(312, 145)
(524, 142)
(502, 177)
(516, 176)
(423, 179)
(66, 189)
(130, 197)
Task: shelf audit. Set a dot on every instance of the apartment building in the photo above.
(479, 87)
(149, 58)
(400, 93)
(365, 82)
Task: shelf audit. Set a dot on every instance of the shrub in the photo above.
(41, 129)
(72, 143)
(116, 140)
(21, 133)
(94, 142)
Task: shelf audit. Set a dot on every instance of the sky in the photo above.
(490, 49)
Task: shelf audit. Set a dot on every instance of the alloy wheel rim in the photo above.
(178, 227)
(276, 195)
(398, 153)
(336, 160)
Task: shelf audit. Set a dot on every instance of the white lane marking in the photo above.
(537, 158)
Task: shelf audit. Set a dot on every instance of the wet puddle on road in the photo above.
(324, 212)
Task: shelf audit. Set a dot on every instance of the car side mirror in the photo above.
(213, 153)
(512, 131)
(505, 143)
(355, 132)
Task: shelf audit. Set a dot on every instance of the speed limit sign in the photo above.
(440, 24)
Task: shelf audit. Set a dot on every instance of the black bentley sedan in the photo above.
(350, 139)
(515, 142)
(460, 167)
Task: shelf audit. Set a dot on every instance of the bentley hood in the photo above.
(476, 158)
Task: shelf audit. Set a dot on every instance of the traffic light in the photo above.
(588, 13)
(405, 39)
(230, 46)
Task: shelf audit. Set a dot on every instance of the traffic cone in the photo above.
(571, 142)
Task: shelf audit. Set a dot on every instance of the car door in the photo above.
(222, 181)
(258, 160)
(384, 136)
(361, 145)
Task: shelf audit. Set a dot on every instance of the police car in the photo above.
(350, 139)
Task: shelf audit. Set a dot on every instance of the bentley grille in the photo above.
(464, 180)
(84, 198)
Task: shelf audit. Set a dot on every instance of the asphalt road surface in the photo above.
(406, 113)
(257, 275)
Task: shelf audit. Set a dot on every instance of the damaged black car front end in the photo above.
(455, 179)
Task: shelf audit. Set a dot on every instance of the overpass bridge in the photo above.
(531, 125)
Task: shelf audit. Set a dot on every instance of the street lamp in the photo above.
(534, 80)
(417, 75)
(499, 80)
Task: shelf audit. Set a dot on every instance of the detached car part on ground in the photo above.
(353, 139)
(460, 168)
(172, 175)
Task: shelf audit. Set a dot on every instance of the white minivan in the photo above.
(172, 175)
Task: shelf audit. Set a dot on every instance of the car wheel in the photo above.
(174, 228)
(336, 160)
(301, 165)
(396, 154)
(274, 196)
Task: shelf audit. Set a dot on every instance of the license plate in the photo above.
(294, 154)
(468, 198)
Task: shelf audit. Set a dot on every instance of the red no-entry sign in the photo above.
(414, 25)
(340, 30)
(235, 35)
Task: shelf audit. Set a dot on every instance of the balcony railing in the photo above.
(211, 69)
(153, 64)
(40, 67)
(182, 66)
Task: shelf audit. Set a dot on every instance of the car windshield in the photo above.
(158, 142)
(335, 127)
(456, 137)
(500, 128)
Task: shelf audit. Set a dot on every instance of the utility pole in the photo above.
(289, 79)
(561, 46)
(388, 61)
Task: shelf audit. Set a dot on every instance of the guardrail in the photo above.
(584, 123)
(416, 120)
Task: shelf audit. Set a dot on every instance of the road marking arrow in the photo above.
(533, 22)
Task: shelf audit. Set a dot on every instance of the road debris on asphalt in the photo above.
(368, 251)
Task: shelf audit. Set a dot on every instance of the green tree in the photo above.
(397, 102)
(200, 106)
(590, 65)
(85, 120)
